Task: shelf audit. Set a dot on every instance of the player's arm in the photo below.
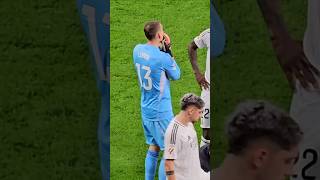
(169, 167)
(171, 67)
(271, 12)
(289, 52)
(192, 51)
(171, 150)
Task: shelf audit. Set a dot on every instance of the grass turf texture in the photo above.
(182, 20)
(248, 68)
(49, 104)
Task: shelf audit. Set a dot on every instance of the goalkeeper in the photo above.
(154, 70)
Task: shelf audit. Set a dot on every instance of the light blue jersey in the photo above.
(154, 69)
(94, 16)
(218, 33)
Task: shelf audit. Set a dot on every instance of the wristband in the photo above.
(169, 173)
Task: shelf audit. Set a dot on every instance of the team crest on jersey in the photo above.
(192, 142)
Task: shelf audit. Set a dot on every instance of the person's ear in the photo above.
(159, 36)
(190, 111)
(259, 158)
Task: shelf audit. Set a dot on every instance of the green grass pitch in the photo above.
(182, 20)
(49, 104)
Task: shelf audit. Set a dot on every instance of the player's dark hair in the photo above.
(191, 99)
(151, 28)
(255, 120)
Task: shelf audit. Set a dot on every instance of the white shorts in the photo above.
(305, 109)
(205, 119)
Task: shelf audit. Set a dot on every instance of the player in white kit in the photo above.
(202, 41)
(181, 143)
(263, 144)
(301, 64)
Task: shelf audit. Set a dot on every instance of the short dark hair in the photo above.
(151, 28)
(191, 99)
(253, 120)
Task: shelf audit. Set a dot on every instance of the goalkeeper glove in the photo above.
(166, 45)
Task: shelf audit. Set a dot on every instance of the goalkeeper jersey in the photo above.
(95, 22)
(154, 69)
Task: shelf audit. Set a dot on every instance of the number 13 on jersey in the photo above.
(146, 82)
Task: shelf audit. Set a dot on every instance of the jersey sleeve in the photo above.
(171, 67)
(172, 143)
(218, 34)
(203, 40)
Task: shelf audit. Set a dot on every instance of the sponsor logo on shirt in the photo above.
(171, 149)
